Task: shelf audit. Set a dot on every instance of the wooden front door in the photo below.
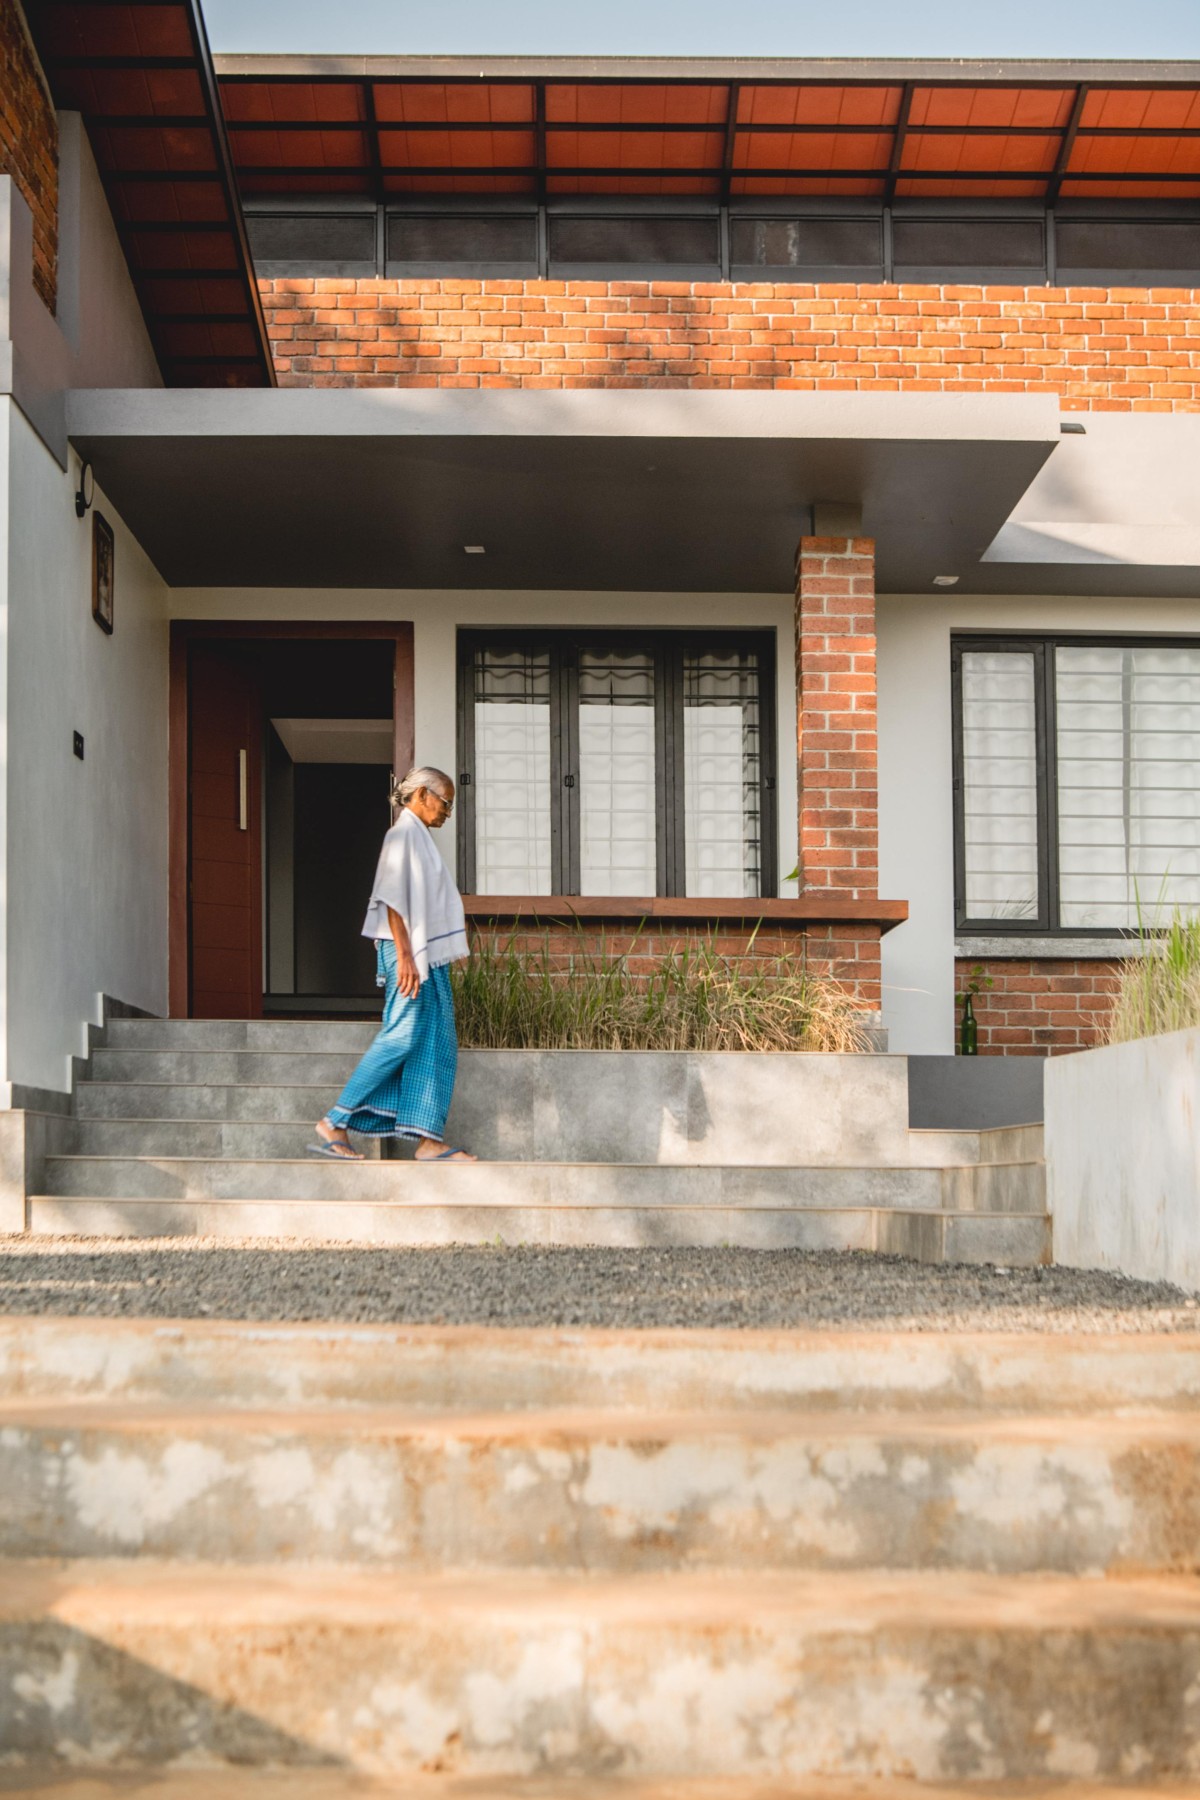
(224, 833)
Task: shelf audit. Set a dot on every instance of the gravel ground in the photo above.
(201, 1278)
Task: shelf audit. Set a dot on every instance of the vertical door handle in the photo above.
(243, 792)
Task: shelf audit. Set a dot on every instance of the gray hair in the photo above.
(423, 777)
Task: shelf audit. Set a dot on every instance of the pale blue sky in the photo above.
(1036, 28)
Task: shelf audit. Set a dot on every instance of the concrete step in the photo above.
(1011, 1239)
(602, 1491)
(298, 1066)
(482, 1184)
(186, 1134)
(475, 1369)
(930, 1676)
(1010, 1143)
(338, 1035)
(567, 1106)
(291, 1110)
(343, 1784)
(241, 1139)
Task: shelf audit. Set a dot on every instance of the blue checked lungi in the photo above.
(404, 1083)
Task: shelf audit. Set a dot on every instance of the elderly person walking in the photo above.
(404, 1083)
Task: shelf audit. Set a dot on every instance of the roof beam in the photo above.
(372, 136)
(731, 131)
(901, 133)
(1067, 145)
(539, 107)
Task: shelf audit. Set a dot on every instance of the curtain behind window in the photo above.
(1128, 723)
(512, 772)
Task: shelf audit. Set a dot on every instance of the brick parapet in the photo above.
(1106, 349)
(29, 143)
(847, 954)
(1041, 1008)
(836, 723)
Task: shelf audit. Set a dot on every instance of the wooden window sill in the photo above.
(807, 909)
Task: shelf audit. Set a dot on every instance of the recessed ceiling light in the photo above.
(474, 549)
(945, 581)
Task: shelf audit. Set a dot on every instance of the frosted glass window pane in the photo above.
(722, 752)
(618, 831)
(1128, 725)
(1000, 815)
(512, 772)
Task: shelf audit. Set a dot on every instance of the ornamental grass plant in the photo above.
(506, 998)
(1160, 989)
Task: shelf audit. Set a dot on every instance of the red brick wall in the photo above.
(837, 743)
(1040, 1008)
(29, 143)
(1123, 349)
(847, 953)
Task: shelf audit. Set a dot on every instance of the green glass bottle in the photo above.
(968, 1038)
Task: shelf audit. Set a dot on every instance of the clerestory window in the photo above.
(604, 764)
(1077, 782)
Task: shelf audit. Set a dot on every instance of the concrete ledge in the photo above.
(1006, 947)
(26, 1139)
(1123, 1157)
(808, 909)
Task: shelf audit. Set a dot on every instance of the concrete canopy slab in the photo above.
(1113, 513)
(600, 490)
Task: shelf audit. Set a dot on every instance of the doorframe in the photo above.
(185, 632)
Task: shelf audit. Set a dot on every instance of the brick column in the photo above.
(838, 748)
(836, 716)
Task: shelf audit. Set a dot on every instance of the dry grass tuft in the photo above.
(1160, 991)
(506, 999)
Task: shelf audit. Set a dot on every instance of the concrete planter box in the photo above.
(1123, 1157)
(681, 1107)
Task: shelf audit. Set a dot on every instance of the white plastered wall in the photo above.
(437, 617)
(86, 841)
(916, 818)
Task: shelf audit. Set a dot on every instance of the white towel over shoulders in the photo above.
(414, 881)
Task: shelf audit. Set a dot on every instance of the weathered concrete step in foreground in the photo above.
(340, 1784)
(933, 1676)
(460, 1368)
(934, 1236)
(602, 1491)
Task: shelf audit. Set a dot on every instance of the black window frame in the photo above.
(1051, 269)
(1043, 646)
(668, 648)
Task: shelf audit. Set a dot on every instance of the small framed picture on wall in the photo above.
(103, 557)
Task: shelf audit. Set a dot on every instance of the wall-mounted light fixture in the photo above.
(87, 489)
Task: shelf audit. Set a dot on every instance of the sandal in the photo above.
(336, 1151)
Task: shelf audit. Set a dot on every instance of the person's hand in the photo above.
(408, 979)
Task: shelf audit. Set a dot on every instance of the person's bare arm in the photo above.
(407, 978)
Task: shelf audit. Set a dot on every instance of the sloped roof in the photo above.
(142, 77)
(385, 127)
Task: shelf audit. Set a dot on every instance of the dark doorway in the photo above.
(291, 735)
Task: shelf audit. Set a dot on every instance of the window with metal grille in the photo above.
(952, 243)
(1084, 246)
(1077, 782)
(478, 239)
(312, 240)
(816, 243)
(607, 765)
(650, 239)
